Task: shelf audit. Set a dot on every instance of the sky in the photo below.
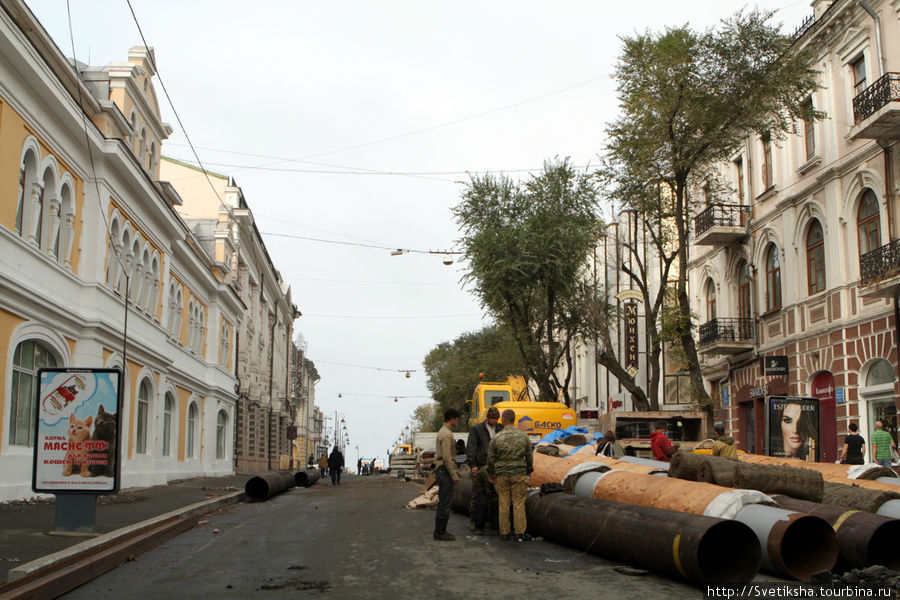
(356, 124)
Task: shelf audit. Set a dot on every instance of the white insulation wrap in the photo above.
(728, 504)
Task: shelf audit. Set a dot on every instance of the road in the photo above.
(357, 540)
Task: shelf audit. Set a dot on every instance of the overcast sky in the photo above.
(356, 121)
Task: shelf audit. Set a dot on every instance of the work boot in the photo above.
(520, 537)
(444, 537)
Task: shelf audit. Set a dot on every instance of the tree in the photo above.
(689, 100)
(526, 246)
(453, 368)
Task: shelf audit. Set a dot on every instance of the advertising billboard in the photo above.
(793, 427)
(77, 426)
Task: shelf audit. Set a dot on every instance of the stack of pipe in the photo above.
(849, 474)
(265, 485)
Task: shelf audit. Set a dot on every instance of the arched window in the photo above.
(20, 204)
(710, 300)
(168, 412)
(744, 307)
(191, 433)
(867, 223)
(221, 427)
(880, 372)
(815, 257)
(27, 359)
(143, 410)
(773, 279)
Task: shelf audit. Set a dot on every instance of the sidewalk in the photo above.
(24, 525)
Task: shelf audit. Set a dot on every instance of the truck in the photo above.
(537, 419)
(633, 428)
(402, 459)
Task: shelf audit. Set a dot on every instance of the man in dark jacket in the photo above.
(335, 464)
(483, 506)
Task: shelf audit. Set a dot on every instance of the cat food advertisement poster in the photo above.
(77, 426)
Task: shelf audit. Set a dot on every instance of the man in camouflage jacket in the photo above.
(509, 463)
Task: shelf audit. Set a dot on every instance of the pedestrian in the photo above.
(660, 445)
(882, 442)
(446, 474)
(483, 507)
(359, 466)
(609, 446)
(854, 449)
(335, 464)
(323, 466)
(509, 464)
(723, 445)
(311, 461)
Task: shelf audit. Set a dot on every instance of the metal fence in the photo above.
(883, 91)
(726, 330)
(721, 215)
(880, 262)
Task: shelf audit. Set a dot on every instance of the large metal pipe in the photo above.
(890, 480)
(265, 485)
(864, 538)
(306, 477)
(462, 496)
(677, 544)
(793, 544)
(637, 460)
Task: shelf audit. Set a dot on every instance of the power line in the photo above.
(360, 244)
(305, 315)
(288, 278)
(328, 362)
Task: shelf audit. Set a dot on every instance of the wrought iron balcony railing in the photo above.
(726, 330)
(877, 95)
(721, 215)
(880, 262)
(805, 26)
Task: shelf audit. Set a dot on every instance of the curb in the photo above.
(46, 562)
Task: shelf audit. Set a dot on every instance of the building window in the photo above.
(143, 409)
(192, 424)
(858, 67)
(744, 292)
(815, 258)
(221, 426)
(20, 205)
(27, 359)
(809, 130)
(739, 177)
(880, 372)
(867, 223)
(767, 173)
(168, 411)
(773, 279)
(710, 300)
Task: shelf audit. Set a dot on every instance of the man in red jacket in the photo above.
(662, 448)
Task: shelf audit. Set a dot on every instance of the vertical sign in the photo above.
(794, 427)
(77, 426)
(631, 338)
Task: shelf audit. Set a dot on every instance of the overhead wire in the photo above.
(329, 362)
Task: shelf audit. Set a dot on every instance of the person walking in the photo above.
(446, 474)
(335, 464)
(483, 507)
(723, 445)
(509, 463)
(854, 449)
(323, 466)
(660, 445)
(609, 446)
(882, 442)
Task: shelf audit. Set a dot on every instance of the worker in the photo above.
(509, 463)
(660, 445)
(723, 445)
(483, 506)
(446, 474)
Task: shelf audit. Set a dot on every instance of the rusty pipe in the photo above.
(265, 485)
(462, 496)
(306, 478)
(792, 543)
(681, 545)
(864, 538)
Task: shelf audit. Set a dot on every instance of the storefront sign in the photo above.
(839, 395)
(793, 427)
(631, 338)
(76, 431)
(759, 392)
(774, 365)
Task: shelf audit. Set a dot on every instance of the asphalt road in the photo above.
(357, 540)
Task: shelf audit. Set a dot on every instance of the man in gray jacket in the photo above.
(483, 506)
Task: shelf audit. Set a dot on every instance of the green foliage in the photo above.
(526, 245)
(427, 417)
(452, 368)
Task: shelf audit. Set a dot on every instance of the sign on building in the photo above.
(793, 427)
(76, 431)
(774, 365)
(631, 338)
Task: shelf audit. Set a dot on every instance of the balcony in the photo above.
(726, 336)
(721, 224)
(880, 272)
(876, 111)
